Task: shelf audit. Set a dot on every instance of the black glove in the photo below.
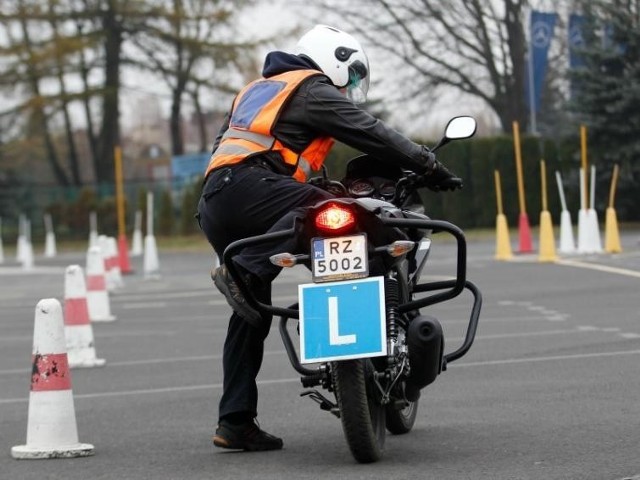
(436, 176)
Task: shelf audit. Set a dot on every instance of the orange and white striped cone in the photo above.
(78, 331)
(51, 431)
(103, 242)
(97, 294)
(114, 258)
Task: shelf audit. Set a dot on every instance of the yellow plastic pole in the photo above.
(585, 165)
(496, 175)
(614, 183)
(543, 178)
(503, 244)
(612, 235)
(547, 242)
(518, 152)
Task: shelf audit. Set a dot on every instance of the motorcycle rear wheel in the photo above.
(401, 421)
(362, 416)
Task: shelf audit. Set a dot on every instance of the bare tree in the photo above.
(182, 39)
(27, 51)
(473, 46)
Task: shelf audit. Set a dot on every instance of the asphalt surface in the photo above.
(550, 389)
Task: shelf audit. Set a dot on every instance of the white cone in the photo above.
(151, 262)
(20, 247)
(77, 325)
(51, 431)
(50, 245)
(50, 250)
(567, 243)
(593, 231)
(1, 247)
(136, 244)
(93, 230)
(583, 232)
(27, 255)
(103, 243)
(97, 294)
(114, 259)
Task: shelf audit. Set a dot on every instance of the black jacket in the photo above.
(318, 108)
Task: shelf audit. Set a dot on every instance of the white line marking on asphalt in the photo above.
(524, 334)
(506, 319)
(150, 361)
(508, 361)
(630, 335)
(587, 328)
(601, 268)
(577, 356)
(130, 306)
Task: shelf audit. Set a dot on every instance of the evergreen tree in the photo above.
(607, 96)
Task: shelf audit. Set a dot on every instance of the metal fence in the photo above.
(70, 207)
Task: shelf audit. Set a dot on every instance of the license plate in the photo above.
(339, 258)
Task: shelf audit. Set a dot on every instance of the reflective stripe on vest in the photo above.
(253, 116)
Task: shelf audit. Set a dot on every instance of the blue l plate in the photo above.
(342, 320)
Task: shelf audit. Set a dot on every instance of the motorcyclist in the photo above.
(278, 128)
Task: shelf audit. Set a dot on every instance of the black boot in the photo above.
(232, 293)
(245, 436)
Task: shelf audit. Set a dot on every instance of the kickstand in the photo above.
(324, 402)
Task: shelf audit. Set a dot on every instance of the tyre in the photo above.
(401, 421)
(362, 417)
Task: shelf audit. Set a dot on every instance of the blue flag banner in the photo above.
(576, 40)
(541, 32)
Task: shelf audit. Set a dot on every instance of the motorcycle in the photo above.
(361, 334)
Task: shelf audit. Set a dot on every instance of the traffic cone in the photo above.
(116, 271)
(103, 243)
(77, 326)
(97, 294)
(567, 243)
(547, 243)
(136, 243)
(547, 251)
(27, 248)
(593, 231)
(93, 230)
(1, 248)
(151, 262)
(50, 250)
(611, 234)
(123, 255)
(20, 243)
(503, 244)
(51, 431)
(524, 234)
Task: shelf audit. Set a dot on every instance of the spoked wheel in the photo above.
(362, 416)
(401, 421)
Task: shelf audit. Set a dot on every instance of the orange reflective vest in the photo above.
(254, 113)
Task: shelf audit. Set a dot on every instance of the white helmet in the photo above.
(340, 57)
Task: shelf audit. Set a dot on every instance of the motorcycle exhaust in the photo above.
(425, 341)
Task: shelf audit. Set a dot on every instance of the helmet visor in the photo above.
(358, 85)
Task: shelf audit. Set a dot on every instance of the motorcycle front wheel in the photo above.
(362, 416)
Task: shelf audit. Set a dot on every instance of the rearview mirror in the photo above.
(460, 127)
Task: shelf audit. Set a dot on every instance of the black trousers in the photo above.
(238, 202)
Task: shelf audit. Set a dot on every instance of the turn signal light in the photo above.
(400, 247)
(335, 218)
(285, 260)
